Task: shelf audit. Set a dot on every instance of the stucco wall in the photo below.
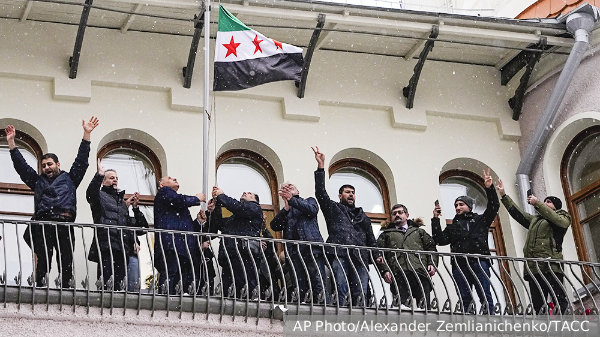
(353, 105)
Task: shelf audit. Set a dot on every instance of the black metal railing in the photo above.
(262, 277)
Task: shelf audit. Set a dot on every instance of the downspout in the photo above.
(579, 23)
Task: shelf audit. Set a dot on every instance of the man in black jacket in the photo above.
(468, 234)
(347, 225)
(55, 200)
(111, 247)
(246, 219)
(298, 221)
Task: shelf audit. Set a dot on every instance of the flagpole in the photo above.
(206, 120)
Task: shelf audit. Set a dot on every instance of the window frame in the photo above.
(21, 189)
(573, 199)
(375, 173)
(122, 144)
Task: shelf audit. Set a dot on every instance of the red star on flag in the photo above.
(278, 44)
(231, 47)
(257, 44)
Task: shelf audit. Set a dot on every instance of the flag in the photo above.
(245, 58)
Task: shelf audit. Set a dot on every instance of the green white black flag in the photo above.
(245, 58)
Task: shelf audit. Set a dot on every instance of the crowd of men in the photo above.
(336, 273)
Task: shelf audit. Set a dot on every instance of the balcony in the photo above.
(280, 290)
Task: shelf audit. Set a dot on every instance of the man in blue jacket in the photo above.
(298, 221)
(55, 200)
(347, 225)
(239, 259)
(174, 253)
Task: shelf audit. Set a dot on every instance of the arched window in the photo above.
(372, 192)
(240, 171)
(580, 172)
(455, 183)
(138, 169)
(16, 199)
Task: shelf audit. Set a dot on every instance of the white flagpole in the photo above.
(206, 120)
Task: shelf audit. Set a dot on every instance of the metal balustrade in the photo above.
(285, 276)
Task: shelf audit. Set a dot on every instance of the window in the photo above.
(580, 174)
(240, 171)
(16, 199)
(138, 169)
(455, 183)
(371, 188)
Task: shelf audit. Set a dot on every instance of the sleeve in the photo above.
(217, 217)
(308, 207)
(81, 163)
(381, 243)
(321, 192)
(27, 173)
(440, 237)
(516, 213)
(92, 196)
(280, 220)
(562, 219)
(140, 219)
(493, 205)
(429, 245)
(178, 200)
(239, 209)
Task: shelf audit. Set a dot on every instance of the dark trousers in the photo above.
(479, 275)
(311, 274)
(179, 268)
(418, 286)
(539, 296)
(240, 269)
(117, 263)
(46, 238)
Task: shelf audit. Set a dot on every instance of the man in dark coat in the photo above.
(111, 248)
(55, 200)
(468, 234)
(298, 221)
(239, 259)
(174, 253)
(203, 264)
(347, 225)
(411, 273)
(545, 235)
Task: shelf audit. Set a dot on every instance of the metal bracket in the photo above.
(516, 102)
(309, 53)
(411, 89)
(74, 60)
(188, 70)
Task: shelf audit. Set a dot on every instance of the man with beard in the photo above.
(410, 272)
(55, 200)
(468, 234)
(246, 219)
(347, 225)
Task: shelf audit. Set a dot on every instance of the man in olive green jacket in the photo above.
(411, 272)
(544, 240)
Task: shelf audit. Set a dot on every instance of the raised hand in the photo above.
(319, 156)
(89, 126)
(10, 136)
(500, 188)
(201, 196)
(487, 178)
(100, 168)
(532, 199)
